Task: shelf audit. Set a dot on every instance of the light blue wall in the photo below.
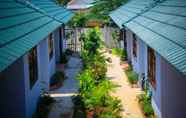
(57, 47)
(135, 60)
(173, 92)
(52, 62)
(156, 93)
(32, 94)
(142, 60)
(12, 98)
(129, 45)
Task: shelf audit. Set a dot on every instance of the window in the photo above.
(33, 66)
(152, 66)
(50, 46)
(134, 46)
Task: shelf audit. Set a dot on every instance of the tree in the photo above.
(92, 41)
(102, 8)
(79, 20)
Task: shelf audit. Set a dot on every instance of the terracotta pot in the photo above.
(62, 66)
(56, 86)
(89, 113)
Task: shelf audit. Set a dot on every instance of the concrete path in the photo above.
(124, 92)
(63, 108)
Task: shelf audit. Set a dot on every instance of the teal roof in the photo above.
(122, 14)
(163, 28)
(53, 9)
(21, 28)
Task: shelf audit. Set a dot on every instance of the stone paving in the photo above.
(131, 108)
(63, 108)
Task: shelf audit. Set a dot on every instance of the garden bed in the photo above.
(94, 99)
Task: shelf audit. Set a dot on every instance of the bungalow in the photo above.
(80, 5)
(27, 55)
(156, 45)
(57, 12)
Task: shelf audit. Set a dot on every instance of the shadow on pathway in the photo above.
(63, 108)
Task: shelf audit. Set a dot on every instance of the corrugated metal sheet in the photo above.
(21, 28)
(122, 14)
(164, 29)
(53, 9)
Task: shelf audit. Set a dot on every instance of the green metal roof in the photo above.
(121, 15)
(164, 29)
(21, 28)
(53, 9)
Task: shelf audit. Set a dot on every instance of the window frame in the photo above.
(152, 67)
(33, 66)
(50, 46)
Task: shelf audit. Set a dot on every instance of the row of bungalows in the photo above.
(31, 41)
(154, 34)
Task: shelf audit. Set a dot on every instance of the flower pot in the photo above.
(89, 113)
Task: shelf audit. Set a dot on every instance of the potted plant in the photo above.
(57, 80)
(44, 105)
(63, 61)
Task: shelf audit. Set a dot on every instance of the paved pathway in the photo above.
(63, 108)
(124, 92)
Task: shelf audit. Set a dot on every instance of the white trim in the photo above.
(156, 109)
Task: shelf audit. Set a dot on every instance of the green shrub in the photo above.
(148, 110)
(120, 52)
(68, 52)
(63, 59)
(132, 76)
(57, 78)
(145, 101)
(79, 114)
(94, 87)
(117, 51)
(44, 105)
(123, 56)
